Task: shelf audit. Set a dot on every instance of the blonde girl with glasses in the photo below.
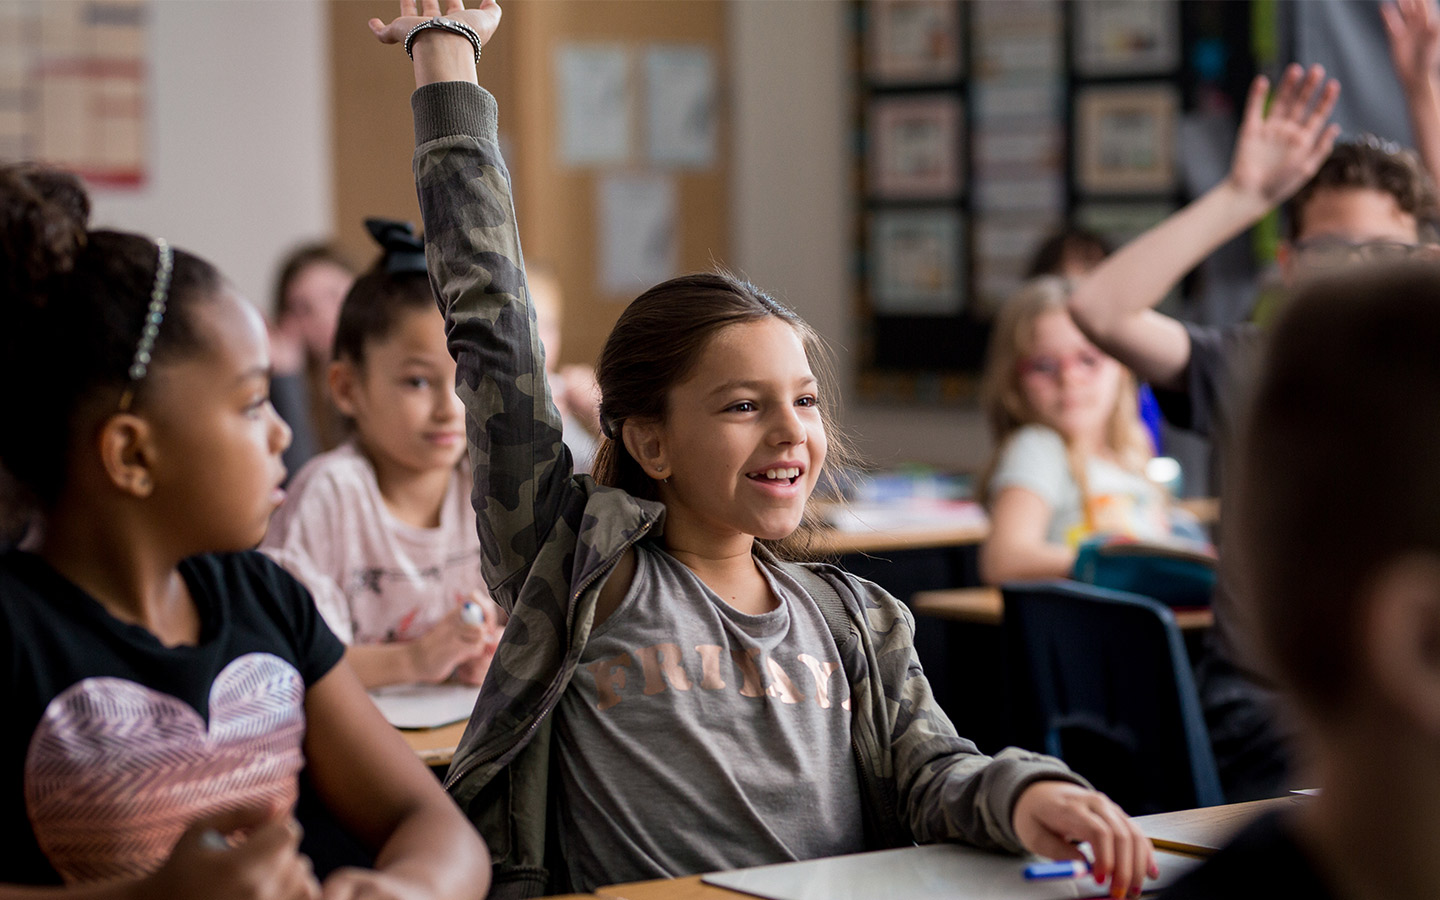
(1070, 445)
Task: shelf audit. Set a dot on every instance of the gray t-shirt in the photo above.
(694, 737)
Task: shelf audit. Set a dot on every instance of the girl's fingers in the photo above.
(1128, 873)
(1323, 107)
(1285, 95)
(1255, 102)
(1323, 146)
(1307, 92)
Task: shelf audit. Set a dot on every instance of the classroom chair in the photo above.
(1101, 679)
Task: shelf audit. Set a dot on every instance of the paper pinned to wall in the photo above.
(638, 232)
(681, 113)
(74, 87)
(593, 82)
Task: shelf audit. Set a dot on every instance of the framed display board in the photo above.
(985, 126)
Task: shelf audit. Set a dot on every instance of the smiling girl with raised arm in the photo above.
(670, 697)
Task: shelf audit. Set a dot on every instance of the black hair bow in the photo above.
(404, 249)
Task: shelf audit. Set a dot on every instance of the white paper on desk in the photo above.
(638, 232)
(931, 872)
(594, 93)
(425, 705)
(681, 105)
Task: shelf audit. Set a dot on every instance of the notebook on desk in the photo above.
(931, 872)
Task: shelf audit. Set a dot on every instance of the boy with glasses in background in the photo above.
(1366, 200)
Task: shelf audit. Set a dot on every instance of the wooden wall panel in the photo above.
(556, 204)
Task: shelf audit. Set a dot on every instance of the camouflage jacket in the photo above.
(551, 538)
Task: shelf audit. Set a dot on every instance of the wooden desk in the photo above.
(1200, 832)
(1195, 829)
(435, 746)
(984, 606)
(689, 888)
(832, 541)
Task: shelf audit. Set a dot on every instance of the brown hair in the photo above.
(1374, 164)
(1338, 474)
(1002, 397)
(655, 345)
(73, 304)
(297, 261)
(1067, 243)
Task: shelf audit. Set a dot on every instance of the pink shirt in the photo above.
(375, 579)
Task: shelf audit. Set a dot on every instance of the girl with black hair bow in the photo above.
(380, 529)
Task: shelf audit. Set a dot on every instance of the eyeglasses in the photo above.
(1086, 362)
(1328, 253)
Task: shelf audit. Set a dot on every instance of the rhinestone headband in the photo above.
(154, 315)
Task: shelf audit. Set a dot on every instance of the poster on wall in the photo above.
(681, 105)
(915, 262)
(1126, 139)
(73, 87)
(914, 147)
(913, 40)
(1126, 37)
(638, 231)
(593, 83)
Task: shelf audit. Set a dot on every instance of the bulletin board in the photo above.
(613, 121)
(984, 127)
(74, 87)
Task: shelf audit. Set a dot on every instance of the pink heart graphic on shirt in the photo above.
(116, 771)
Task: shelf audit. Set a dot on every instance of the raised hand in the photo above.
(1052, 817)
(484, 18)
(1413, 27)
(1278, 151)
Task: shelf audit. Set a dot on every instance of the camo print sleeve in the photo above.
(944, 788)
(520, 466)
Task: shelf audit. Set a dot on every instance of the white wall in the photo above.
(792, 205)
(239, 135)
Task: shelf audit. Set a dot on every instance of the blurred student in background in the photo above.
(1368, 199)
(311, 285)
(380, 529)
(573, 387)
(1070, 447)
(1333, 535)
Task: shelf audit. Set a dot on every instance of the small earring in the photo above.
(142, 482)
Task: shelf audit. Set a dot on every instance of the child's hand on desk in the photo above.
(1052, 817)
(249, 854)
(452, 643)
(473, 670)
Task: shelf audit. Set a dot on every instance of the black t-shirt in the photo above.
(1218, 379)
(1263, 862)
(117, 743)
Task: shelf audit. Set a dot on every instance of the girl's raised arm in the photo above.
(519, 462)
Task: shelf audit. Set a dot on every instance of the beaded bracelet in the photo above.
(451, 25)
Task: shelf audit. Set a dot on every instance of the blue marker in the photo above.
(1066, 868)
